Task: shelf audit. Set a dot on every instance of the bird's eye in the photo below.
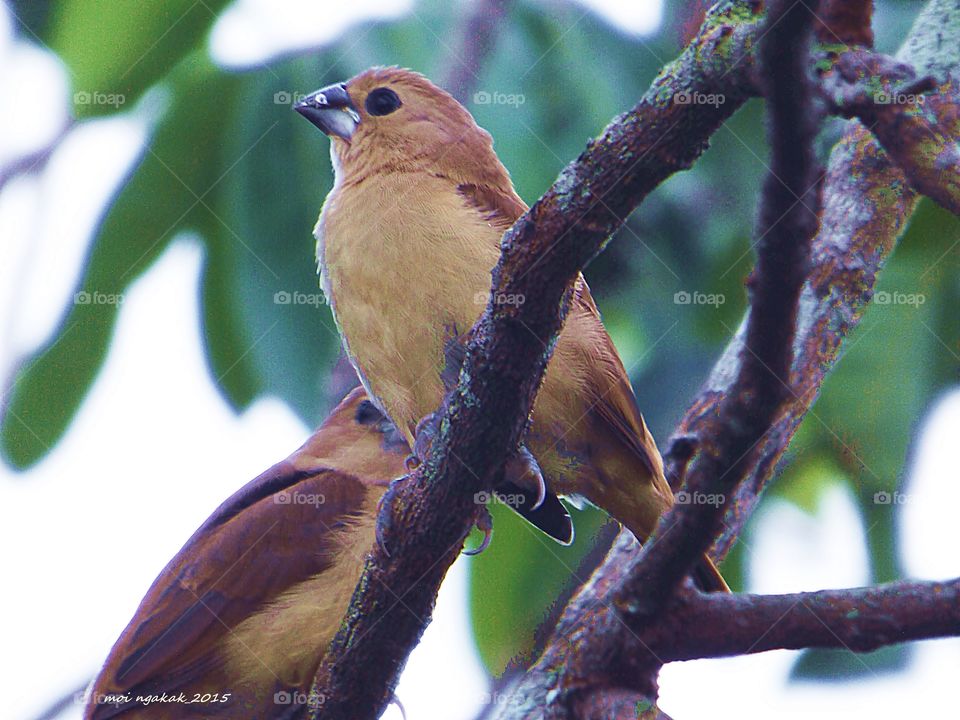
(382, 101)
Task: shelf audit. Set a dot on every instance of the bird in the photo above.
(406, 242)
(237, 623)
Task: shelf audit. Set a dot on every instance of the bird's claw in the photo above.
(385, 519)
(523, 470)
(424, 435)
(394, 700)
(483, 523)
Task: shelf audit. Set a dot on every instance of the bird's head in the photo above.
(390, 118)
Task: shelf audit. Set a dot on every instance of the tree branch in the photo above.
(860, 224)
(918, 131)
(787, 224)
(845, 21)
(714, 625)
(427, 518)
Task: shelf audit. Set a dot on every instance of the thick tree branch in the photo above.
(860, 223)
(918, 131)
(787, 225)
(696, 625)
(700, 625)
(867, 203)
(427, 515)
(845, 21)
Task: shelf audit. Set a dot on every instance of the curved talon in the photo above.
(485, 524)
(541, 490)
(381, 543)
(523, 470)
(382, 525)
(412, 462)
(424, 434)
(394, 700)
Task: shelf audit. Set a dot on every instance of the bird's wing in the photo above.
(616, 404)
(500, 207)
(255, 546)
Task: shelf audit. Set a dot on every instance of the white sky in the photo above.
(86, 531)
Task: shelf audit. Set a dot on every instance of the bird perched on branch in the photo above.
(406, 242)
(235, 625)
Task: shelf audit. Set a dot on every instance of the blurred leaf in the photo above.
(806, 478)
(263, 271)
(32, 17)
(515, 583)
(159, 200)
(840, 665)
(121, 50)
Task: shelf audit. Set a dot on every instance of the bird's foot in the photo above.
(426, 431)
(385, 516)
(394, 700)
(523, 470)
(484, 523)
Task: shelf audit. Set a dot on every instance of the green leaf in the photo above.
(159, 201)
(31, 16)
(116, 51)
(841, 665)
(263, 274)
(514, 584)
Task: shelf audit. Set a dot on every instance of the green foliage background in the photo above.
(243, 172)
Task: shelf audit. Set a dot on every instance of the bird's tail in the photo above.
(708, 578)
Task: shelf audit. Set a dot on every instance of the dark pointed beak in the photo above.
(331, 110)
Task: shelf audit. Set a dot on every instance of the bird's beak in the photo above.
(331, 110)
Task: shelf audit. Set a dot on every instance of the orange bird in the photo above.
(406, 242)
(236, 624)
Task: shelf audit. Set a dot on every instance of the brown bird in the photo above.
(235, 625)
(406, 242)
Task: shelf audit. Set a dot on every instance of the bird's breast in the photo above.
(406, 266)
